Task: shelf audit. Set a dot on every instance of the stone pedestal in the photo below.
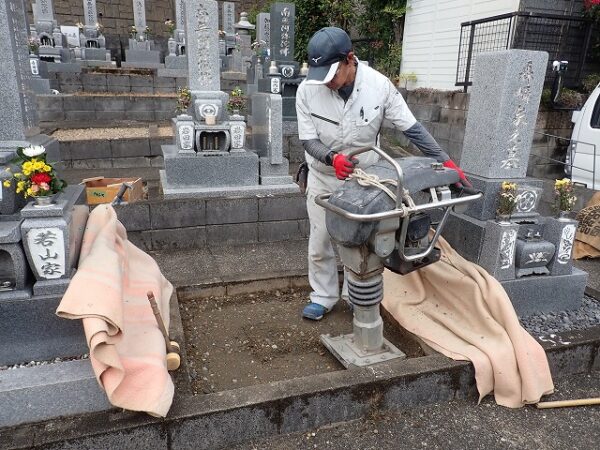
(51, 236)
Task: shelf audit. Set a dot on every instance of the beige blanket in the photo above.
(461, 311)
(127, 349)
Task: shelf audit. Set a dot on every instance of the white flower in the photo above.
(33, 150)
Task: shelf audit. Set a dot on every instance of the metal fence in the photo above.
(563, 37)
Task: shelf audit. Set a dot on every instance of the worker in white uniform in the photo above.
(340, 107)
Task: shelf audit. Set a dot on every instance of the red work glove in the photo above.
(463, 179)
(343, 166)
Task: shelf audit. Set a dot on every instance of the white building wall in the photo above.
(432, 36)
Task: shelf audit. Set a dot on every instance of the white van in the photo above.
(585, 143)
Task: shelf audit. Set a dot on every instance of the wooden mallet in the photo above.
(173, 349)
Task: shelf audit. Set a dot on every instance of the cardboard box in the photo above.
(104, 190)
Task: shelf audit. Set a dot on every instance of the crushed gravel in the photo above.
(84, 134)
(44, 363)
(587, 316)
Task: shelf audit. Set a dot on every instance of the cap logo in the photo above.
(316, 60)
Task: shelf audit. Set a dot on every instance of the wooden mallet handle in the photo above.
(161, 324)
(566, 403)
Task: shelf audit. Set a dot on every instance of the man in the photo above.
(340, 107)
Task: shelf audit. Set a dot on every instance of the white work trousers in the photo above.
(322, 264)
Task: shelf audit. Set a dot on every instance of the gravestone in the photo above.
(282, 74)
(263, 30)
(228, 35)
(529, 254)
(209, 157)
(92, 43)
(139, 14)
(141, 52)
(35, 332)
(229, 18)
(176, 60)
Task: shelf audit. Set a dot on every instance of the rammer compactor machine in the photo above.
(389, 216)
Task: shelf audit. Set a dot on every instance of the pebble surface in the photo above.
(587, 316)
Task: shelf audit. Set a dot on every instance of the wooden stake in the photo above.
(566, 403)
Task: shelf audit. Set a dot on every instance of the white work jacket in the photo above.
(341, 127)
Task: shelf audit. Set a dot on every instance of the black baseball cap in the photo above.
(326, 48)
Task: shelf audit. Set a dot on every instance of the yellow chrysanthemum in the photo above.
(46, 168)
(29, 192)
(20, 186)
(507, 186)
(26, 172)
(6, 183)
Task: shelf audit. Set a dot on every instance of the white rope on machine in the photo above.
(366, 179)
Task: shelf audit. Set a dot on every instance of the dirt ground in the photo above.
(233, 342)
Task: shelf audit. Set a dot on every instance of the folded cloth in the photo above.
(463, 312)
(108, 291)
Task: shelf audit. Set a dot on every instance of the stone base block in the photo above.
(544, 293)
(170, 192)
(33, 332)
(142, 65)
(269, 181)
(209, 171)
(141, 56)
(176, 62)
(172, 73)
(51, 287)
(98, 63)
(269, 170)
(485, 207)
(64, 67)
(40, 85)
(44, 392)
(17, 294)
(466, 235)
(95, 54)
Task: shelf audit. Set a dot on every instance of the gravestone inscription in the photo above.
(44, 10)
(180, 14)
(283, 18)
(202, 45)
(508, 107)
(139, 15)
(263, 32)
(90, 13)
(228, 17)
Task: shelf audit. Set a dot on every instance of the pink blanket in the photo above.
(108, 291)
(461, 311)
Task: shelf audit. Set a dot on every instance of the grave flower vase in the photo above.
(43, 201)
(503, 218)
(564, 216)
